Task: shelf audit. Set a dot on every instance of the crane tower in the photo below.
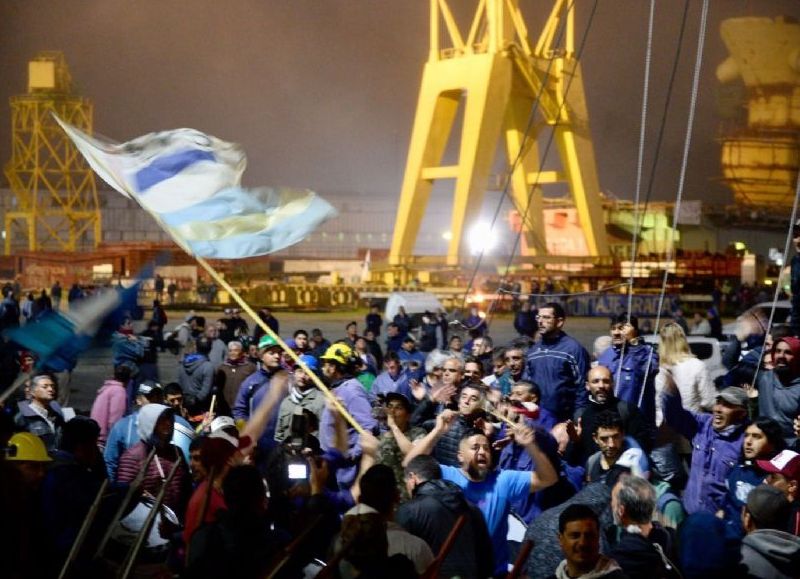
(55, 196)
(497, 74)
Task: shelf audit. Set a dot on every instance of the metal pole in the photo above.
(84, 530)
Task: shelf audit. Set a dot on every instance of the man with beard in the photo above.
(558, 364)
(491, 490)
(634, 364)
(716, 440)
(600, 386)
(779, 388)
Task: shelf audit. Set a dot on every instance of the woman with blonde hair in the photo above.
(698, 393)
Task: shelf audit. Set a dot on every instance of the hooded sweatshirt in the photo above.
(196, 377)
(133, 460)
(770, 553)
(780, 399)
(108, 407)
(433, 513)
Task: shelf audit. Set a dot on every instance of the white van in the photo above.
(415, 304)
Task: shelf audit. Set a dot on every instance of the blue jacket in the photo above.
(354, 399)
(514, 457)
(251, 392)
(714, 454)
(635, 376)
(384, 384)
(558, 366)
(742, 479)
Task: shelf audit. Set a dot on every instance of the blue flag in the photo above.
(190, 182)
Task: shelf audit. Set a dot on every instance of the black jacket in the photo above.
(639, 556)
(432, 514)
(632, 419)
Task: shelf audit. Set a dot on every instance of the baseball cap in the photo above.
(147, 387)
(733, 395)
(786, 463)
(221, 422)
(400, 398)
(769, 507)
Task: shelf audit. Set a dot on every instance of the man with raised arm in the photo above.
(491, 490)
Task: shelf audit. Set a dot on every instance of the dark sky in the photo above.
(322, 92)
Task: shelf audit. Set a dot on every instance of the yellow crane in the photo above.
(496, 74)
(56, 205)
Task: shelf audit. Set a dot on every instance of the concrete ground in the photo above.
(95, 365)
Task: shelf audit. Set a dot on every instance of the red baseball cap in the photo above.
(786, 463)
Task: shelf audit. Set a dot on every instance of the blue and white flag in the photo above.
(190, 182)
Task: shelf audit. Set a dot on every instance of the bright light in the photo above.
(767, 282)
(482, 238)
(739, 246)
(447, 235)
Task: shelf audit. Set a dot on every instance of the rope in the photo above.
(640, 159)
(684, 163)
(564, 295)
(637, 196)
(518, 158)
(549, 144)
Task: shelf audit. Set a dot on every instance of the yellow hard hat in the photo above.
(341, 353)
(27, 446)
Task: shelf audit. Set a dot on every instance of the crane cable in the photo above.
(648, 57)
(523, 146)
(778, 286)
(682, 179)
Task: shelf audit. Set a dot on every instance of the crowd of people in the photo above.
(444, 455)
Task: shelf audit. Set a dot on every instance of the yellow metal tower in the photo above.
(496, 73)
(56, 205)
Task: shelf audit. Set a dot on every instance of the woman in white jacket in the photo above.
(698, 393)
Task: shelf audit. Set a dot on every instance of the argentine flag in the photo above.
(190, 182)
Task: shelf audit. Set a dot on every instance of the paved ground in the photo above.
(95, 365)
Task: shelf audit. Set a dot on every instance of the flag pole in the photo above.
(263, 325)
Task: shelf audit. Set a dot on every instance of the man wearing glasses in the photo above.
(558, 364)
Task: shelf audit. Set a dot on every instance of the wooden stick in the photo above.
(148, 523)
(289, 550)
(123, 506)
(433, 569)
(503, 418)
(257, 319)
(84, 530)
(524, 551)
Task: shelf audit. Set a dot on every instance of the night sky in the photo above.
(322, 93)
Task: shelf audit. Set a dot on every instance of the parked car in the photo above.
(757, 317)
